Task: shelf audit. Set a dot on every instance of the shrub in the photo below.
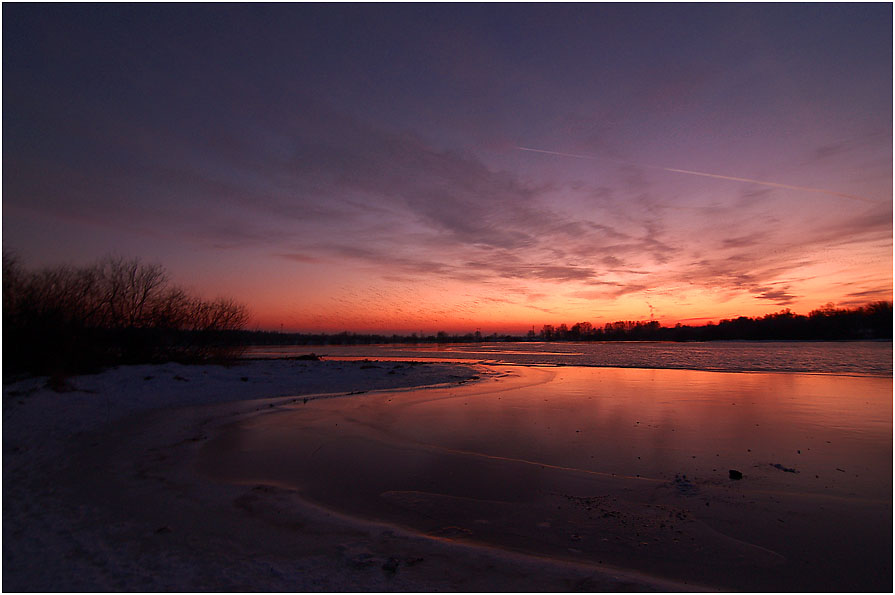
(67, 319)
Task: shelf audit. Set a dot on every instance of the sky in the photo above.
(407, 168)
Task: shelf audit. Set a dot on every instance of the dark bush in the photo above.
(66, 319)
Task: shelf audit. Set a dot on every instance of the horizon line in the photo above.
(538, 327)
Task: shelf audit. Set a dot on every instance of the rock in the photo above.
(734, 474)
(782, 468)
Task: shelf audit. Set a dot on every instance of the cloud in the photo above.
(744, 241)
(611, 290)
(494, 227)
(634, 176)
(872, 293)
(315, 185)
(829, 150)
(551, 273)
(778, 296)
(301, 258)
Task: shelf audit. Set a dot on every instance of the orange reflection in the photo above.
(627, 467)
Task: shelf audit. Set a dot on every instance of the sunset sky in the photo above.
(401, 168)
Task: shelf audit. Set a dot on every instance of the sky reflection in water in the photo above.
(584, 462)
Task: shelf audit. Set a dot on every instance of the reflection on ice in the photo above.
(861, 358)
(619, 467)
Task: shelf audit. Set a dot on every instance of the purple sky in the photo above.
(358, 167)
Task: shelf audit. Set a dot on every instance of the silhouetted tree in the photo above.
(116, 311)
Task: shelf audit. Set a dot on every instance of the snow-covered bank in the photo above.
(34, 414)
(101, 492)
(52, 540)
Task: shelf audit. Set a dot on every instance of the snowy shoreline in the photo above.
(152, 478)
(42, 427)
(86, 402)
(99, 492)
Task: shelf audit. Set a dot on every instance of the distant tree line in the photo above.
(348, 338)
(870, 322)
(74, 319)
(873, 321)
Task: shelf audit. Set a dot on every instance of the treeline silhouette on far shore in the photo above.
(67, 320)
(870, 322)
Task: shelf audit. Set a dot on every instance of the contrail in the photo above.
(707, 175)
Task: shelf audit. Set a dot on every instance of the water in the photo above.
(860, 358)
(606, 465)
(610, 453)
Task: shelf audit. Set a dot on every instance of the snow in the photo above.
(99, 493)
(33, 414)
